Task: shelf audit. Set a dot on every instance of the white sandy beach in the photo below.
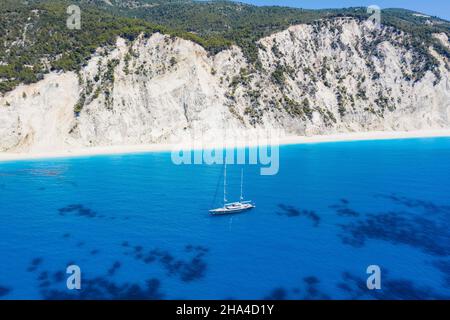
(289, 140)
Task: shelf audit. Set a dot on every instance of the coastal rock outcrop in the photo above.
(332, 76)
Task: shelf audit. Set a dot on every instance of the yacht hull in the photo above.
(226, 211)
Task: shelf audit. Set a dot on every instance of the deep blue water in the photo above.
(138, 226)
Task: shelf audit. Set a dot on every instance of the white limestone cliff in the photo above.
(335, 76)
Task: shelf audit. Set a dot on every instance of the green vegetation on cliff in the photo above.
(34, 38)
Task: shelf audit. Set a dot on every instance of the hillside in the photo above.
(155, 79)
(36, 41)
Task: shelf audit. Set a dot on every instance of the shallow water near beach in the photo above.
(138, 225)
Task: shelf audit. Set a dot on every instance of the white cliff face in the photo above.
(38, 117)
(333, 76)
(163, 89)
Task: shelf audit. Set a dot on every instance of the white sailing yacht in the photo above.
(234, 207)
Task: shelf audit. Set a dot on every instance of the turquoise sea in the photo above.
(138, 226)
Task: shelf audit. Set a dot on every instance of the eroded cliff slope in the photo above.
(336, 75)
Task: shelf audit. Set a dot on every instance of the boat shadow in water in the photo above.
(4, 291)
(81, 210)
(419, 224)
(355, 288)
(291, 212)
(392, 289)
(51, 285)
(190, 268)
(426, 229)
(444, 267)
(309, 289)
(103, 288)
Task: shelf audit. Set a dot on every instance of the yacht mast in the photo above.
(242, 184)
(225, 185)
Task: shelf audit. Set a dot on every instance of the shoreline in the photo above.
(288, 140)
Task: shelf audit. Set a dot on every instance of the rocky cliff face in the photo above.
(332, 76)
